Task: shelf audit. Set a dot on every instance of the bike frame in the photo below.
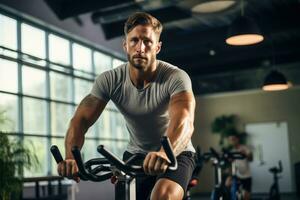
(234, 189)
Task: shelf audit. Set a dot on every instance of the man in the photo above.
(243, 168)
(155, 99)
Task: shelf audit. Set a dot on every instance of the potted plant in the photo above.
(225, 126)
(13, 158)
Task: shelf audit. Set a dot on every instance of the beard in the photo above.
(139, 62)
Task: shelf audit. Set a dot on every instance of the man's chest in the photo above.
(141, 103)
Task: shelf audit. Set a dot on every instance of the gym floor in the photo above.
(254, 197)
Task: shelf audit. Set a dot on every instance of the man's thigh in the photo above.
(182, 176)
(184, 172)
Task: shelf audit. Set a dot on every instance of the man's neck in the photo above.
(141, 78)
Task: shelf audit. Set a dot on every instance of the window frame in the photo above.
(66, 70)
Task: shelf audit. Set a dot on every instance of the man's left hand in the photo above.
(156, 163)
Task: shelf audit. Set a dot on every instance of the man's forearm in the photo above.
(74, 137)
(181, 126)
(180, 133)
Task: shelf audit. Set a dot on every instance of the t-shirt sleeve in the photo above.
(179, 82)
(100, 87)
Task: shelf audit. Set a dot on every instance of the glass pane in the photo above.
(117, 62)
(60, 117)
(60, 143)
(8, 32)
(89, 149)
(102, 62)
(82, 88)
(103, 124)
(34, 116)
(8, 76)
(33, 41)
(60, 87)
(82, 58)
(59, 51)
(38, 147)
(8, 113)
(34, 81)
(118, 128)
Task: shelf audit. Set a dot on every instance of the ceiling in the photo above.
(196, 41)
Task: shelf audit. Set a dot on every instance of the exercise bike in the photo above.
(236, 190)
(122, 174)
(274, 193)
(220, 161)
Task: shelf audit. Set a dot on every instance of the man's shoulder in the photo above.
(167, 66)
(168, 69)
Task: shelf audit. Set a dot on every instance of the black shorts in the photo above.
(246, 183)
(182, 176)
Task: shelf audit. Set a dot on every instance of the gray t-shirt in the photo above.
(145, 110)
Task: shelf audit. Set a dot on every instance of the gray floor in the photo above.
(254, 197)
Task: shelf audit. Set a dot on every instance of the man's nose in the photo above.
(141, 47)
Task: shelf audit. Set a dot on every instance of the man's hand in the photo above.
(156, 163)
(68, 168)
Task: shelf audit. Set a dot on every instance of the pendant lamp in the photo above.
(243, 31)
(275, 81)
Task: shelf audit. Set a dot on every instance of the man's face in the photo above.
(141, 46)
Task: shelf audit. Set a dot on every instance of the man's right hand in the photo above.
(68, 168)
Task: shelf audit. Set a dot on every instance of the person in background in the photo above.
(243, 168)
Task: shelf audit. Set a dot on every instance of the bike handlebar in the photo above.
(276, 170)
(136, 170)
(223, 157)
(83, 173)
(56, 154)
(87, 173)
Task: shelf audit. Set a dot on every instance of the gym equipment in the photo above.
(236, 190)
(221, 160)
(121, 173)
(274, 193)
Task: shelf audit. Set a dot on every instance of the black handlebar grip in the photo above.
(77, 156)
(214, 153)
(169, 152)
(56, 154)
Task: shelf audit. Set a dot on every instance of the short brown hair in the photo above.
(142, 18)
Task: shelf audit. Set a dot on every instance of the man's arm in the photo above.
(86, 114)
(181, 126)
(180, 130)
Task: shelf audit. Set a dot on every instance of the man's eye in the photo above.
(147, 42)
(133, 41)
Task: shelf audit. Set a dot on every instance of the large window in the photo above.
(43, 77)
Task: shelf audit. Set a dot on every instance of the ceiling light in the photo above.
(275, 81)
(213, 6)
(243, 31)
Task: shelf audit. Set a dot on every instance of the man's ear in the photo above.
(158, 48)
(124, 45)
